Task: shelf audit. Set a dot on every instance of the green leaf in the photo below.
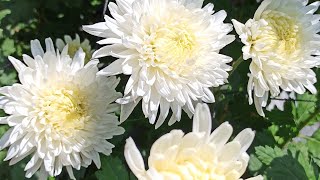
(286, 168)
(293, 163)
(267, 154)
(1, 33)
(300, 152)
(8, 47)
(4, 13)
(2, 114)
(314, 144)
(317, 161)
(8, 79)
(283, 127)
(255, 164)
(263, 138)
(3, 155)
(3, 129)
(305, 110)
(112, 168)
(287, 124)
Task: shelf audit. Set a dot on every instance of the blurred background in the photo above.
(25, 20)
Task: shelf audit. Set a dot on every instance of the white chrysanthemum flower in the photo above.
(197, 155)
(171, 50)
(61, 114)
(74, 45)
(283, 43)
(280, 100)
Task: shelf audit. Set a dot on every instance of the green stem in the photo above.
(310, 118)
(236, 64)
(306, 137)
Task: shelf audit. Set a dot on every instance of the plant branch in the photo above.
(295, 100)
(279, 99)
(309, 119)
(105, 7)
(236, 64)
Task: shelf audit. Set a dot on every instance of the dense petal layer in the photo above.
(282, 42)
(170, 49)
(196, 155)
(61, 114)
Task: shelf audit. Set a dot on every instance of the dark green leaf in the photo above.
(112, 168)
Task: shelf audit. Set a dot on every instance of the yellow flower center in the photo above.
(282, 33)
(173, 44)
(65, 110)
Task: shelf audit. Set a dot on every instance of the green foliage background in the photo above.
(273, 154)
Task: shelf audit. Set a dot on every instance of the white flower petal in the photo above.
(126, 109)
(221, 135)
(49, 45)
(33, 169)
(239, 27)
(3, 120)
(5, 139)
(70, 172)
(164, 111)
(20, 157)
(202, 119)
(134, 158)
(78, 60)
(36, 48)
(60, 44)
(98, 29)
(230, 151)
(112, 69)
(245, 138)
(18, 65)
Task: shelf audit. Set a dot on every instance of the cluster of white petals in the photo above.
(61, 114)
(283, 42)
(74, 45)
(197, 155)
(170, 49)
